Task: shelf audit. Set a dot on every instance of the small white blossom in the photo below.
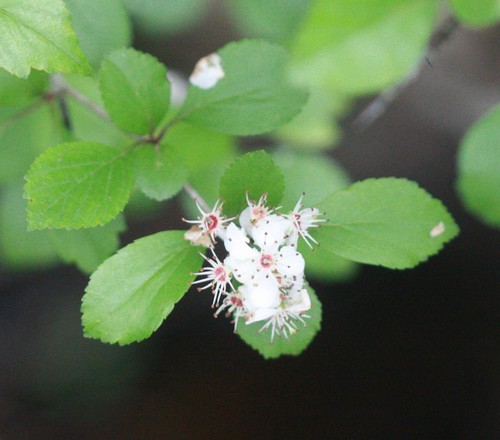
(263, 268)
(216, 276)
(209, 223)
(302, 219)
(207, 72)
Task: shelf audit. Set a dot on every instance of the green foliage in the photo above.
(77, 185)
(101, 26)
(317, 177)
(275, 20)
(315, 127)
(251, 98)
(18, 91)
(135, 90)
(37, 34)
(23, 137)
(20, 249)
(160, 171)
(294, 345)
(388, 222)
(86, 125)
(87, 248)
(131, 293)
(253, 173)
(363, 46)
(476, 12)
(479, 168)
(165, 16)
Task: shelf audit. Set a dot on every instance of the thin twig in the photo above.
(196, 197)
(381, 103)
(22, 113)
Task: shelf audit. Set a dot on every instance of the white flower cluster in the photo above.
(262, 276)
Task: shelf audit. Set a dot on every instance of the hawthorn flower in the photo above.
(263, 268)
(216, 276)
(302, 219)
(209, 224)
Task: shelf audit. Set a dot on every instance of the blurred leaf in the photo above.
(24, 134)
(318, 177)
(77, 185)
(18, 91)
(479, 168)
(135, 90)
(253, 173)
(165, 16)
(131, 293)
(86, 125)
(251, 98)
(160, 171)
(88, 248)
(315, 127)
(476, 12)
(294, 345)
(363, 46)
(271, 19)
(315, 175)
(20, 249)
(101, 26)
(388, 222)
(37, 34)
(200, 147)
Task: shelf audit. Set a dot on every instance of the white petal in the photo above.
(236, 243)
(271, 232)
(301, 303)
(243, 270)
(261, 314)
(245, 222)
(265, 295)
(207, 72)
(290, 263)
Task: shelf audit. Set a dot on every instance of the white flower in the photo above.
(283, 322)
(301, 221)
(216, 276)
(210, 223)
(207, 72)
(233, 304)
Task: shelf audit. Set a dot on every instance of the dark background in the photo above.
(402, 354)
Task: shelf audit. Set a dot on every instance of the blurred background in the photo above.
(402, 354)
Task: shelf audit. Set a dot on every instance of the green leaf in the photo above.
(131, 293)
(160, 171)
(476, 12)
(18, 91)
(253, 96)
(101, 26)
(135, 90)
(294, 345)
(479, 168)
(315, 175)
(37, 34)
(389, 222)
(87, 248)
(318, 177)
(24, 134)
(199, 147)
(77, 185)
(363, 46)
(86, 124)
(274, 20)
(316, 126)
(20, 249)
(165, 16)
(253, 173)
